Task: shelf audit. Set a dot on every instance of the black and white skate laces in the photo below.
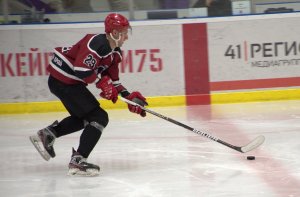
(79, 166)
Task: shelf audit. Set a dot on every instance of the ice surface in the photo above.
(150, 157)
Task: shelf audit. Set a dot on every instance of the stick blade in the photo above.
(253, 144)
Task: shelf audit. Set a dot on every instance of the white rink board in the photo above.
(263, 49)
(154, 54)
(156, 47)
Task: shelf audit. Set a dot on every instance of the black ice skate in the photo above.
(46, 137)
(79, 166)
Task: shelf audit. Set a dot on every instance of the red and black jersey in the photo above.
(89, 58)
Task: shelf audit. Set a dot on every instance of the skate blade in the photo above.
(88, 173)
(35, 141)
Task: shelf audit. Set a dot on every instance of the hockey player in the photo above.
(94, 59)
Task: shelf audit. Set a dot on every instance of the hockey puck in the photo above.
(250, 158)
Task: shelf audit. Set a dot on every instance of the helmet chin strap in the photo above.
(116, 40)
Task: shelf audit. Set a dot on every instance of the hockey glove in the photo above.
(138, 98)
(109, 92)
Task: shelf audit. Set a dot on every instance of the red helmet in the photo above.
(117, 22)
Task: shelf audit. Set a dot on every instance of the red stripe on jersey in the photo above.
(61, 77)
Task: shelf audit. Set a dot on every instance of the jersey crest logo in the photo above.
(65, 49)
(90, 61)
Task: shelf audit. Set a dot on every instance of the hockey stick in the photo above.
(243, 149)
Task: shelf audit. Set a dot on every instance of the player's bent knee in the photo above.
(98, 126)
(98, 116)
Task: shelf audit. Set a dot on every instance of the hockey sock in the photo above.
(88, 140)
